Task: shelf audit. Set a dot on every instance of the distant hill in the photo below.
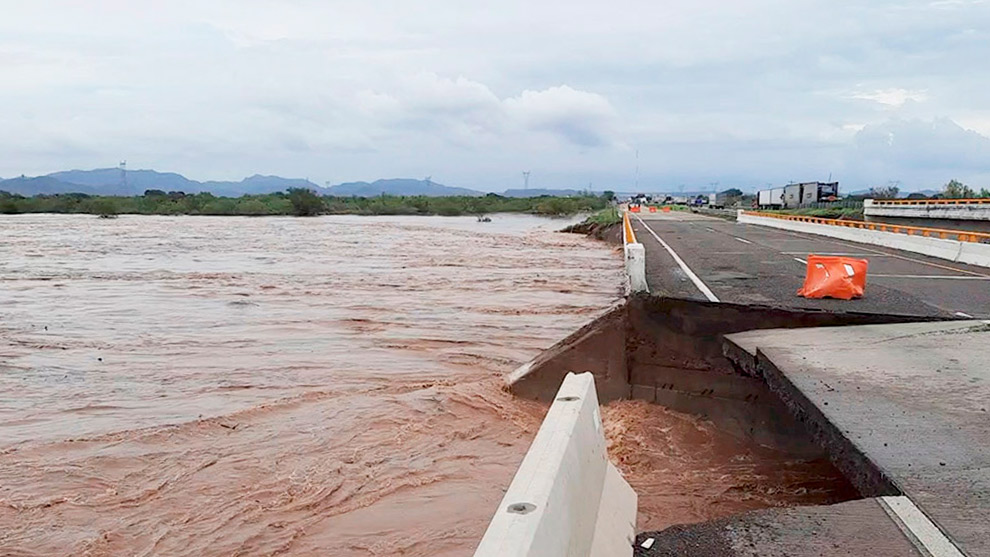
(902, 194)
(397, 186)
(259, 184)
(537, 192)
(107, 181)
(41, 185)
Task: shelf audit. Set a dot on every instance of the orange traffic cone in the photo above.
(834, 277)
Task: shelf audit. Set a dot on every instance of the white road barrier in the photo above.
(636, 267)
(566, 499)
(952, 250)
(635, 255)
(944, 209)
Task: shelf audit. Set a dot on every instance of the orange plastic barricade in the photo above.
(834, 277)
(653, 209)
(634, 208)
(666, 209)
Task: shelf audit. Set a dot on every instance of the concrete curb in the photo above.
(952, 250)
(566, 499)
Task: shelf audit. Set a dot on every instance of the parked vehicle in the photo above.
(718, 200)
(793, 196)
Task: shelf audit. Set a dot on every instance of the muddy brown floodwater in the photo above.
(327, 386)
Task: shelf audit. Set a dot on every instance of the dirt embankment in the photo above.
(611, 233)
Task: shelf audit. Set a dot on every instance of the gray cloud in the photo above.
(920, 151)
(740, 93)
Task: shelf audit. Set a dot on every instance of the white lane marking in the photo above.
(710, 229)
(947, 277)
(687, 270)
(836, 253)
(961, 314)
(744, 241)
(919, 527)
(801, 261)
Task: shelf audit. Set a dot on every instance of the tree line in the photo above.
(296, 201)
(954, 189)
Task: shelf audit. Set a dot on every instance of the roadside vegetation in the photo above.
(843, 213)
(606, 217)
(298, 202)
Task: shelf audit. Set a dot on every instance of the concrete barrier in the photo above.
(942, 209)
(636, 267)
(635, 258)
(566, 499)
(952, 250)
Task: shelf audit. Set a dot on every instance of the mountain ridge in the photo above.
(114, 181)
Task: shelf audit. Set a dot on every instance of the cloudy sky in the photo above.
(473, 93)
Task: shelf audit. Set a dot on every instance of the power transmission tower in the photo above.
(123, 174)
(526, 179)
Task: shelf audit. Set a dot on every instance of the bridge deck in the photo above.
(752, 264)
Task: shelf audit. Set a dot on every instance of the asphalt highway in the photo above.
(707, 258)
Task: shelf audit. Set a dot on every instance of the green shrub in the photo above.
(305, 203)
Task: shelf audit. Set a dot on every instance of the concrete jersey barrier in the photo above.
(566, 499)
(945, 209)
(635, 257)
(952, 250)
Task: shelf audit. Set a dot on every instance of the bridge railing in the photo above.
(909, 202)
(628, 235)
(945, 234)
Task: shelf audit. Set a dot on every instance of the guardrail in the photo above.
(942, 233)
(977, 201)
(628, 236)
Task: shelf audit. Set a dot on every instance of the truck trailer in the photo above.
(793, 196)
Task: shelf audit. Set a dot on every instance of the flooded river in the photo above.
(327, 386)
